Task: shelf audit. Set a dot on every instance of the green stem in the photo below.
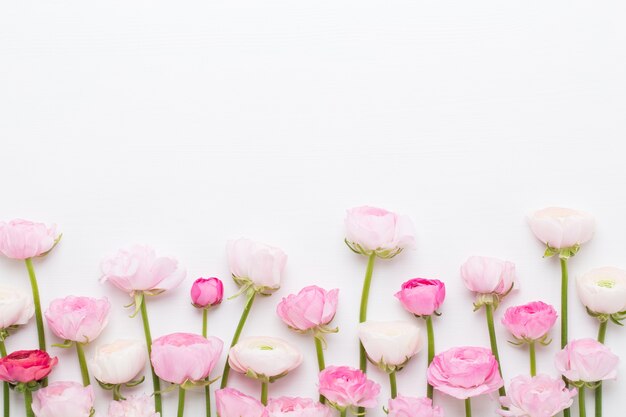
(181, 401)
(207, 390)
(431, 351)
(393, 384)
(38, 317)
(343, 412)
(319, 349)
(156, 384)
(204, 322)
(602, 331)
(468, 407)
(83, 364)
(494, 342)
(116, 395)
(533, 361)
(264, 393)
(564, 291)
(581, 402)
(598, 391)
(5, 385)
(242, 321)
(365, 294)
(28, 403)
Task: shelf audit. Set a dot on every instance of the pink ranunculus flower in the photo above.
(23, 239)
(64, 399)
(413, 407)
(586, 360)
(538, 396)
(79, 319)
(530, 321)
(268, 358)
(185, 357)
(465, 372)
(133, 406)
(371, 229)
(232, 403)
(390, 344)
(16, 307)
(119, 362)
(484, 275)
(297, 407)
(603, 291)
(561, 228)
(345, 387)
(421, 296)
(138, 269)
(256, 265)
(312, 308)
(207, 292)
(26, 366)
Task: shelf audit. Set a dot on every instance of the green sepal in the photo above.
(138, 298)
(65, 345)
(56, 242)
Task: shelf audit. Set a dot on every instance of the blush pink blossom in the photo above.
(79, 319)
(16, 307)
(23, 239)
(64, 399)
(345, 387)
(256, 264)
(133, 406)
(530, 321)
(207, 292)
(232, 403)
(313, 307)
(26, 366)
(586, 360)
(185, 357)
(562, 228)
(413, 407)
(538, 396)
(421, 296)
(465, 372)
(486, 275)
(297, 407)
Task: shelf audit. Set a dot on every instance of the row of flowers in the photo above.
(187, 360)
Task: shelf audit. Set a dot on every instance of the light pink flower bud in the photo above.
(539, 396)
(485, 275)
(207, 292)
(561, 228)
(23, 239)
(530, 321)
(79, 319)
(422, 297)
(133, 406)
(586, 360)
(313, 307)
(345, 387)
(256, 264)
(297, 407)
(265, 358)
(63, 399)
(232, 403)
(413, 407)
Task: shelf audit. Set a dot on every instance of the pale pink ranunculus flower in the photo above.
(586, 360)
(79, 319)
(138, 269)
(119, 362)
(312, 308)
(16, 307)
(465, 372)
(63, 399)
(297, 407)
(421, 296)
(485, 275)
(402, 406)
(233, 403)
(345, 387)
(390, 344)
(133, 406)
(562, 228)
(256, 264)
(603, 290)
(267, 357)
(23, 239)
(530, 321)
(538, 396)
(207, 292)
(185, 357)
(372, 229)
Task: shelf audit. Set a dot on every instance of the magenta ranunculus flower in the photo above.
(421, 296)
(297, 407)
(312, 308)
(64, 399)
(346, 387)
(465, 372)
(538, 396)
(207, 292)
(182, 358)
(485, 275)
(586, 360)
(232, 403)
(79, 319)
(413, 407)
(133, 406)
(26, 366)
(23, 239)
(530, 322)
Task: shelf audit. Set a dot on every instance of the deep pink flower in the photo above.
(344, 387)
(586, 360)
(23, 239)
(297, 407)
(26, 366)
(530, 321)
(413, 407)
(232, 403)
(539, 396)
(421, 296)
(207, 292)
(79, 319)
(311, 308)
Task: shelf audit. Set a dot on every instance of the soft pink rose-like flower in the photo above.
(603, 290)
(207, 292)
(421, 296)
(16, 307)
(344, 387)
(232, 403)
(486, 275)
(465, 372)
(26, 366)
(561, 228)
(119, 362)
(530, 321)
(139, 269)
(79, 319)
(183, 357)
(586, 360)
(133, 406)
(538, 396)
(23, 239)
(390, 344)
(313, 307)
(268, 358)
(297, 407)
(64, 399)
(256, 264)
(371, 229)
(413, 407)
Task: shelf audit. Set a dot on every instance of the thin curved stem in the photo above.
(5, 385)
(321, 364)
(156, 383)
(598, 391)
(116, 395)
(28, 403)
(84, 372)
(181, 401)
(431, 351)
(207, 389)
(264, 392)
(365, 294)
(38, 317)
(242, 321)
(581, 402)
(393, 384)
(533, 360)
(564, 303)
(494, 342)
(204, 321)
(343, 412)
(468, 407)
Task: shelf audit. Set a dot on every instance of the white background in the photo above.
(184, 124)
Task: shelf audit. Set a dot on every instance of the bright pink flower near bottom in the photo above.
(413, 407)
(539, 396)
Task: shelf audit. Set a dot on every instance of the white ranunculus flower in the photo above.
(266, 357)
(562, 228)
(390, 344)
(256, 264)
(603, 290)
(16, 307)
(119, 362)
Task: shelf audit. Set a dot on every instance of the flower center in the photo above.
(606, 283)
(266, 347)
